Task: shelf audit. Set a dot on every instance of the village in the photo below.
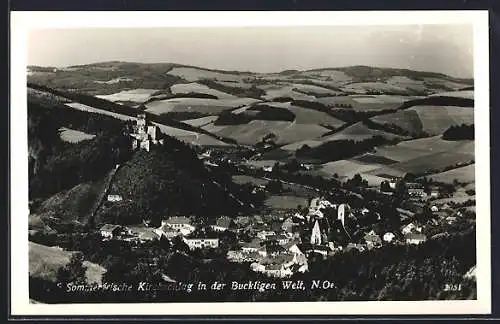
(279, 243)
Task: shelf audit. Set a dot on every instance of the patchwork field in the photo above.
(296, 132)
(314, 89)
(276, 91)
(464, 174)
(334, 76)
(198, 122)
(365, 87)
(74, 136)
(252, 132)
(198, 88)
(437, 119)
(44, 262)
(296, 145)
(204, 106)
(426, 163)
(242, 179)
(347, 168)
(358, 132)
(430, 119)
(285, 202)
(469, 94)
(195, 74)
(311, 116)
(82, 107)
(135, 95)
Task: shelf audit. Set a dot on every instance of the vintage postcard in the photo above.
(250, 163)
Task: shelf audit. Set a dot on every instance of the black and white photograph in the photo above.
(316, 161)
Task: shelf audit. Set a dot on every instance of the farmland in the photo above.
(432, 120)
(200, 105)
(198, 88)
(195, 74)
(285, 202)
(358, 132)
(136, 95)
(74, 136)
(464, 174)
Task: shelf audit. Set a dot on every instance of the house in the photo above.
(201, 243)
(451, 219)
(114, 198)
(268, 168)
(222, 224)
(372, 240)
(410, 228)
(434, 192)
(323, 250)
(280, 238)
(167, 231)
(264, 234)
(415, 238)
(393, 183)
(277, 270)
(434, 209)
(356, 246)
(144, 234)
(388, 237)
(109, 231)
(415, 189)
(292, 247)
(180, 223)
(288, 225)
(257, 267)
(242, 221)
(252, 246)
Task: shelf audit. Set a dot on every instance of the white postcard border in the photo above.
(21, 22)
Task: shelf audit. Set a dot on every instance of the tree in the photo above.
(274, 186)
(74, 271)
(384, 186)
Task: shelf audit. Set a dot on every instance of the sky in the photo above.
(443, 48)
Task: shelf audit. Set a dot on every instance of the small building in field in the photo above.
(388, 237)
(264, 234)
(252, 246)
(114, 198)
(109, 231)
(222, 224)
(202, 243)
(372, 240)
(415, 189)
(280, 238)
(434, 192)
(415, 238)
(180, 223)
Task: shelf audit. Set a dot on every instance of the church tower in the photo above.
(316, 234)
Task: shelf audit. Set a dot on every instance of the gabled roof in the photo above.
(255, 243)
(109, 227)
(372, 238)
(223, 221)
(178, 220)
(415, 236)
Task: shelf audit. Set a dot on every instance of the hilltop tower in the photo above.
(145, 136)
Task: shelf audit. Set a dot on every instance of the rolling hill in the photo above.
(44, 262)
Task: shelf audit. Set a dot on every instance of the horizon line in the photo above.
(250, 72)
